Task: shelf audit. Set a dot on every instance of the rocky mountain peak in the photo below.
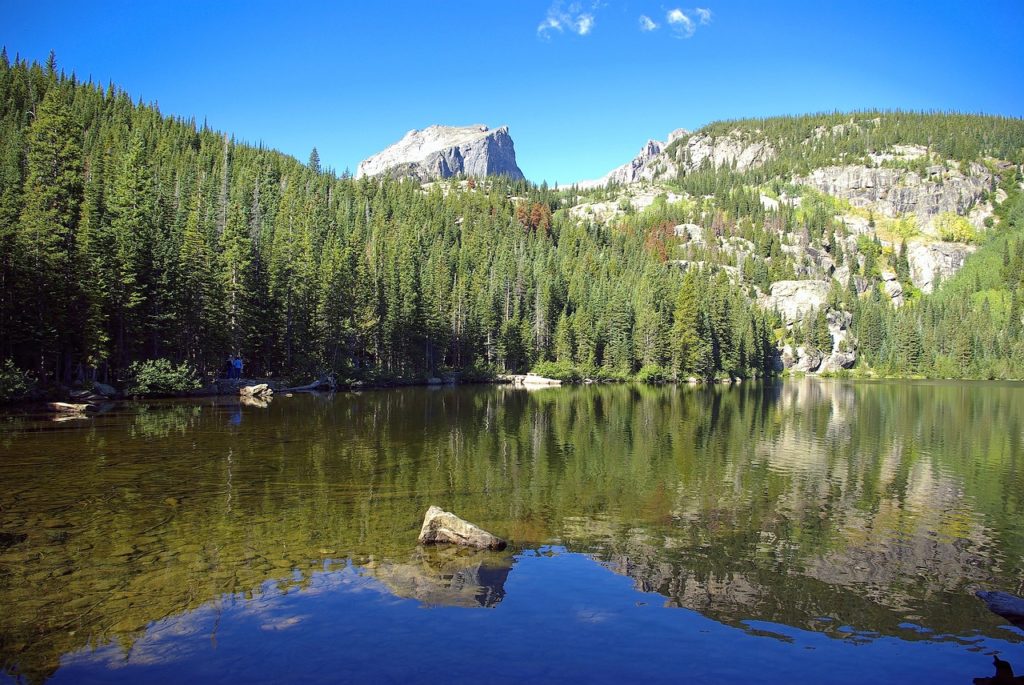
(442, 151)
(660, 160)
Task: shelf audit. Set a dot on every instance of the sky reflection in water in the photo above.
(564, 618)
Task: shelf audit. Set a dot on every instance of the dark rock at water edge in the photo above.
(1010, 607)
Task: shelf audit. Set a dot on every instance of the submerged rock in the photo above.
(1010, 607)
(441, 526)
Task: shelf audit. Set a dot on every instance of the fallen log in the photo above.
(325, 383)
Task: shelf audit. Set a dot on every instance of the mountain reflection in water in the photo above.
(847, 510)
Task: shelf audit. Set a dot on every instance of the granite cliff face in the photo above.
(896, 192)
(444, 151)
(930, 262)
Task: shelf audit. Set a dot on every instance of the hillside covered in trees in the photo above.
(126, 235)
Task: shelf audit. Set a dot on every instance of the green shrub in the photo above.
(954, 228)
(478, 373)
(562, 371)
(904, 227)
(607, 375)
(14, 383)
(652, 373)
(159, 377)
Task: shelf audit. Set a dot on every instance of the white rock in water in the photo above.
(441, 526)
(444, 151)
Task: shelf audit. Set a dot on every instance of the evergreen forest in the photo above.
(127, 235)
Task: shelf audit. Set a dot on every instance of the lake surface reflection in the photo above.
(812, 530)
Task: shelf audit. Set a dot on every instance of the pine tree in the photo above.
(685, 326)
(564, 343)
(902, 264)
(130, 241)
(45, 242)
(198, 304)
(235, 262)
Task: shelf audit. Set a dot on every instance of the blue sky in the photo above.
(581, 85)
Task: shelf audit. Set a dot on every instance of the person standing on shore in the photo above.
(238, 366)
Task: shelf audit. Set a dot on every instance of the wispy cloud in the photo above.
(681, 23)
(703, 15)
(647, 24)
(572, 18)
(584, 23)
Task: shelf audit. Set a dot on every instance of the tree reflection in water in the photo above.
(812, 504)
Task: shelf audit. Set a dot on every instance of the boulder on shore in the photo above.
(104, 389)
(70, 408)
(1010, 607)
(261, 390)
(441, 526)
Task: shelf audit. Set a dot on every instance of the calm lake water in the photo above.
(811, 531)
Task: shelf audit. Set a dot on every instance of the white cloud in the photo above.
(681, 24)
(548, 25)
(647, 24)
(572, 18)
(704, 14)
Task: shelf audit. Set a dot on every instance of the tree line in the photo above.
(128, 235)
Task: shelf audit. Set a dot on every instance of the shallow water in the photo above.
(812, 530)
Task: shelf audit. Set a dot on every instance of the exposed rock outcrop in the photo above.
(441, 526)
(805, 359)
(811, 360)
(839, 328)
(893, 288)
(837, 361)
(444, 151)
(795, 299)
(931, 261)
(894, 192)
(732, 149)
